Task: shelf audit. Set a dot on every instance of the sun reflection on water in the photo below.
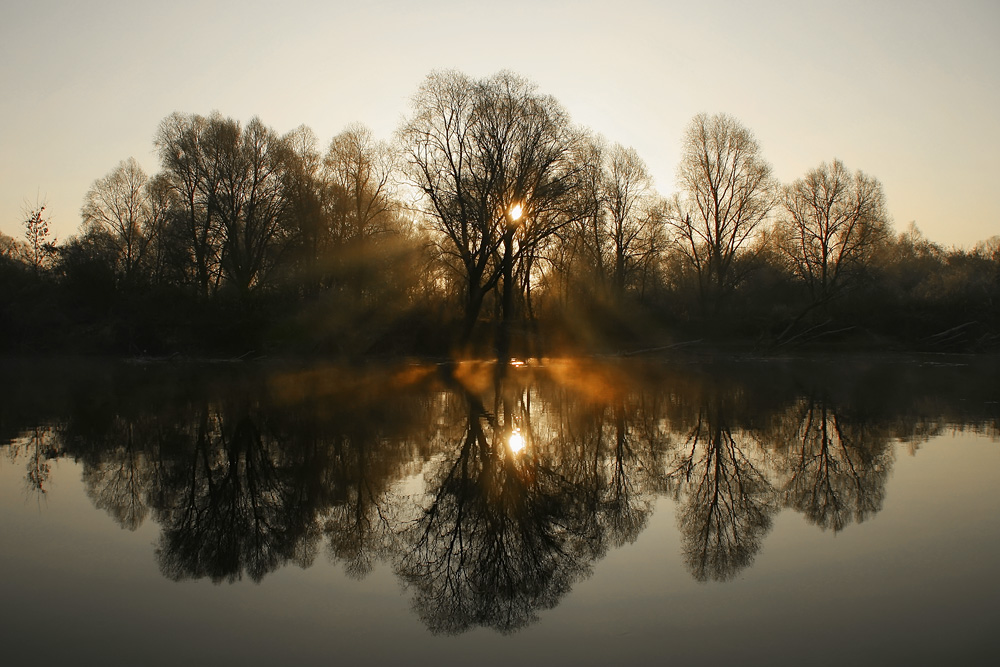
(516, 441)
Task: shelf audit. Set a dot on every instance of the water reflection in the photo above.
(718, 475)
(834, 464)
(497, 536)
(489, 494)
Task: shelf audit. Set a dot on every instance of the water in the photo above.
(821, 511)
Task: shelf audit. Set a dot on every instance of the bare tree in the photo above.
(124, 209)
(254, 203)
(617, 235)
(306, 191)
(726, 193)
(180, 142)
(475, 148)
(832, 225)
(230, 180)
(631, 206)
(357, 170)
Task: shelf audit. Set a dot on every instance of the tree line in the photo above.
(490, 220)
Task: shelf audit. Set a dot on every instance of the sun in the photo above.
(516, 441)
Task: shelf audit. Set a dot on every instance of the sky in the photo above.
(906, 91)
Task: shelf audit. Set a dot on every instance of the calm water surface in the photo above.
(823, 511)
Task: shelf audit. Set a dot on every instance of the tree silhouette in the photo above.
(617, 239)
(476, 148)
(496, 541)
(836, 467)
(726, 499)
(36, 235)
(832, 227)
(120, 480)
(124, 211)
(726, 193)
(232, 509)
(182, 141)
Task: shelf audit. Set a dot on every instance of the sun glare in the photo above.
(516, 441)
(515, 212)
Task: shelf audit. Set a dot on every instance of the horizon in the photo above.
(919, 79)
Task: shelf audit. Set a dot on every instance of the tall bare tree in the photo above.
(632, 210)
(180, 141)
(832, 226)
(306, 192)
(123, 208)
(253, 200)
(357, 170)
(726, 194)
(475, 148)
(618, 233)
(230, 180)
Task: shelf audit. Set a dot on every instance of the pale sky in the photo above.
(907, 91)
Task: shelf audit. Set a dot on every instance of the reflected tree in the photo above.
(121, 478)
(360, 522)
(726, 499)
(232, 509)
(495, 541)
(612, 471)
(39, 446)
(349, 439)
(633, 481)
(836, 467)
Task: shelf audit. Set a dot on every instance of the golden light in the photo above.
(516, 441)
(515, 212)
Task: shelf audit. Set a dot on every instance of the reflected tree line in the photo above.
(247, 239)
(490, 494)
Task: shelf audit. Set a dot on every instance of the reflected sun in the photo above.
(516, 441)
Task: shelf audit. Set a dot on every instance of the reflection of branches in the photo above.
(626, 499)
(359, 531)
(358, 524)
(495, 543)
(727, 501)
(836, 470)
(120, 479)
(236, 512)
(39, 448)
(495, 538)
